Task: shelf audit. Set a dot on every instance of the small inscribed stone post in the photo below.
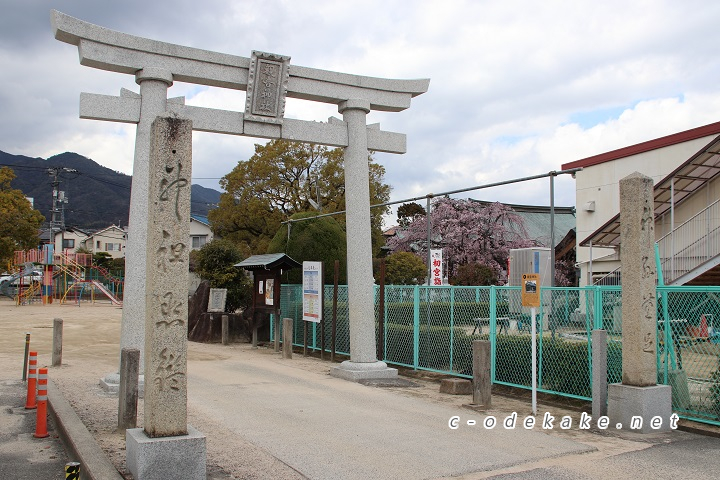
(637, 258)
(167, 278)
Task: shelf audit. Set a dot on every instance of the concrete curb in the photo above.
(79, 442)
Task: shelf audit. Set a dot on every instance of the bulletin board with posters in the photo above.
(312, 291)
(267, 275)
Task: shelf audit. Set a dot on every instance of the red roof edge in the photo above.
(675, 138)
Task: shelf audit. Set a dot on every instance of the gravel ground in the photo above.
(91, 335)
(98, 411)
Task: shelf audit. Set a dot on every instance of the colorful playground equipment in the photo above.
(66, 276)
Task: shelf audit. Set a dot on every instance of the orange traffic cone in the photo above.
(41, 423)
(32, 382)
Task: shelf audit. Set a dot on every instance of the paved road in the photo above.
(328, 428)
(22, 456)
(696, 458)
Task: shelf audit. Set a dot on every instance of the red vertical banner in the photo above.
(436, 267)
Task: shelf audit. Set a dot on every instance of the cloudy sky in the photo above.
(517, 88)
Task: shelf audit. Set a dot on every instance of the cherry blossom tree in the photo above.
(468, 232)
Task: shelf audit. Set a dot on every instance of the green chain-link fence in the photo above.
(291, 306)
(432, 328)
(689, 349)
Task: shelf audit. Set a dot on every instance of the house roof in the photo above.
(536, 219)
(44, 233)
(694, 173)
(200, 218)
(78, 230)
(268, 261)
(106, 229)
(666, 141)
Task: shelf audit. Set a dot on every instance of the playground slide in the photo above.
(6, 285)
(106, 292)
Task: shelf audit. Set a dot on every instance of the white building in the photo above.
(200, 232)
(69, 239)
(110, 240)
(685, 168)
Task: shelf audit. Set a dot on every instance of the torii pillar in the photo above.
(363, 362)
(154, 83)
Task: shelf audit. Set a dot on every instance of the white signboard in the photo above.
(216, 302)
(436, 267)
(312, 291)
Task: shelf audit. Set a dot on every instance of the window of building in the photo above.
(68, 243)
(97, 245)
(198, 241)
(112, 247)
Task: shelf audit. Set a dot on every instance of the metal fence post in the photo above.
(385, 329)
(27, 355)
(314, 337)
(541, 316)
(333, 326)
(322, 325)
(452, 325)
(416, 327)
(493, 330)
(381, 313)
(594, 323)
(597, 309)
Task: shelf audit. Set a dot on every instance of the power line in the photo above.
(451, 192)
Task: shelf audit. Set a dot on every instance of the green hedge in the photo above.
(438, 313)
(565, 363)
(433, 345)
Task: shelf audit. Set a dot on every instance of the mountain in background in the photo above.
(97, 196)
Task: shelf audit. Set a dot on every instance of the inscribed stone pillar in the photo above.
(154, 83)
(168, 228)
(639, 314)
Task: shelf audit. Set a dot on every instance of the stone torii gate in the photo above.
(268, 80)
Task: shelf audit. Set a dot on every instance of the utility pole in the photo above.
(62, 200)
(57, 222)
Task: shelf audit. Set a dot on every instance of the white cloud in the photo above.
(517, 87)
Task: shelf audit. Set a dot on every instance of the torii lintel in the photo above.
(123, 53)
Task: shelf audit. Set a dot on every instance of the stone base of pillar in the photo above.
(355, 371)
(111, 384)
(627, 401)
(181, 457)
